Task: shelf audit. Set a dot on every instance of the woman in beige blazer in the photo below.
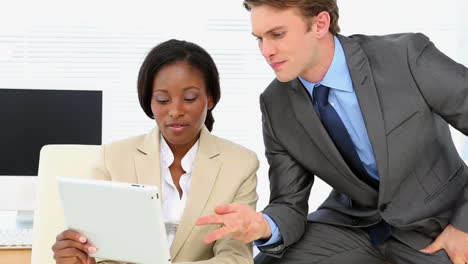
(178, 86)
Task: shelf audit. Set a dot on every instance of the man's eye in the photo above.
(278, 34)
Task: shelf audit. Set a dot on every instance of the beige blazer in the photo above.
(223, 172)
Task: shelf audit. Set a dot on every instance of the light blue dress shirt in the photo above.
(343, 99)
(465, 149)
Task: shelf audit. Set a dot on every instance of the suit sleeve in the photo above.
(442, 81)
(290, 186)
(444, 85)
(228, 250)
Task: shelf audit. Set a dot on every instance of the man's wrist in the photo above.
(272, 235)
(266, 228)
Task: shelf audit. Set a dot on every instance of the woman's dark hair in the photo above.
(170, 52)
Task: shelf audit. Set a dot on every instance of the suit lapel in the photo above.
(204, 173)
(147, 162)
(305, 113)
(369, 103)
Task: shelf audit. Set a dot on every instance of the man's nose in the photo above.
(267, 49)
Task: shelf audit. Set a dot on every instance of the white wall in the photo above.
(91, 44)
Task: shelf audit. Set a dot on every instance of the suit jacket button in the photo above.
(383, 207)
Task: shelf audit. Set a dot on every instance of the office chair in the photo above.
(56, 160)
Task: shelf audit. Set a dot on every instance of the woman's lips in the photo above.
(177, 128)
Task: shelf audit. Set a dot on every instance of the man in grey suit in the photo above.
(369, 115)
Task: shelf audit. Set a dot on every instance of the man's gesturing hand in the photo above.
(238, 220)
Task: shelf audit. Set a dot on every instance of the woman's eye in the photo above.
(190, 99)
(190, 96)
(162, 100)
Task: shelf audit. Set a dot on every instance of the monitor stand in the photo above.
(17, 200)
(24, 219)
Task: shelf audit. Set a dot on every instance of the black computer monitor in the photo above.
(32, 118)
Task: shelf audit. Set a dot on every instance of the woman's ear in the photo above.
(210, 102)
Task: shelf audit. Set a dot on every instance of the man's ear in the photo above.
(321, 23)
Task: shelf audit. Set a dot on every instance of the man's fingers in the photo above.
(432, 248)
(236, 220)
(210, 220)
(217, 234)
(227, 208)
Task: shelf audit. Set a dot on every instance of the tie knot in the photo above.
(321, 95)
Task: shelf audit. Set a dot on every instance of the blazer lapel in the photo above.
(147, 162)
(305, 113)
(369, 103)
(204, 173)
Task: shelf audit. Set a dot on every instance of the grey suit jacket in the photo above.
(408, 92)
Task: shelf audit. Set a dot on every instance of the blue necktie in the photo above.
(340, 136)
(337, 131)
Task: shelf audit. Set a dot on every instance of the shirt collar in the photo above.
(167, 157)
(337, 76)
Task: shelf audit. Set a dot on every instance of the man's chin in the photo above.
(285, 78)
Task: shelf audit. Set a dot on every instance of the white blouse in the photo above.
(172, 204)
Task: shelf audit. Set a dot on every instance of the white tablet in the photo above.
(122, 220)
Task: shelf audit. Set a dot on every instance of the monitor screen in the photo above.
(32, 118)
